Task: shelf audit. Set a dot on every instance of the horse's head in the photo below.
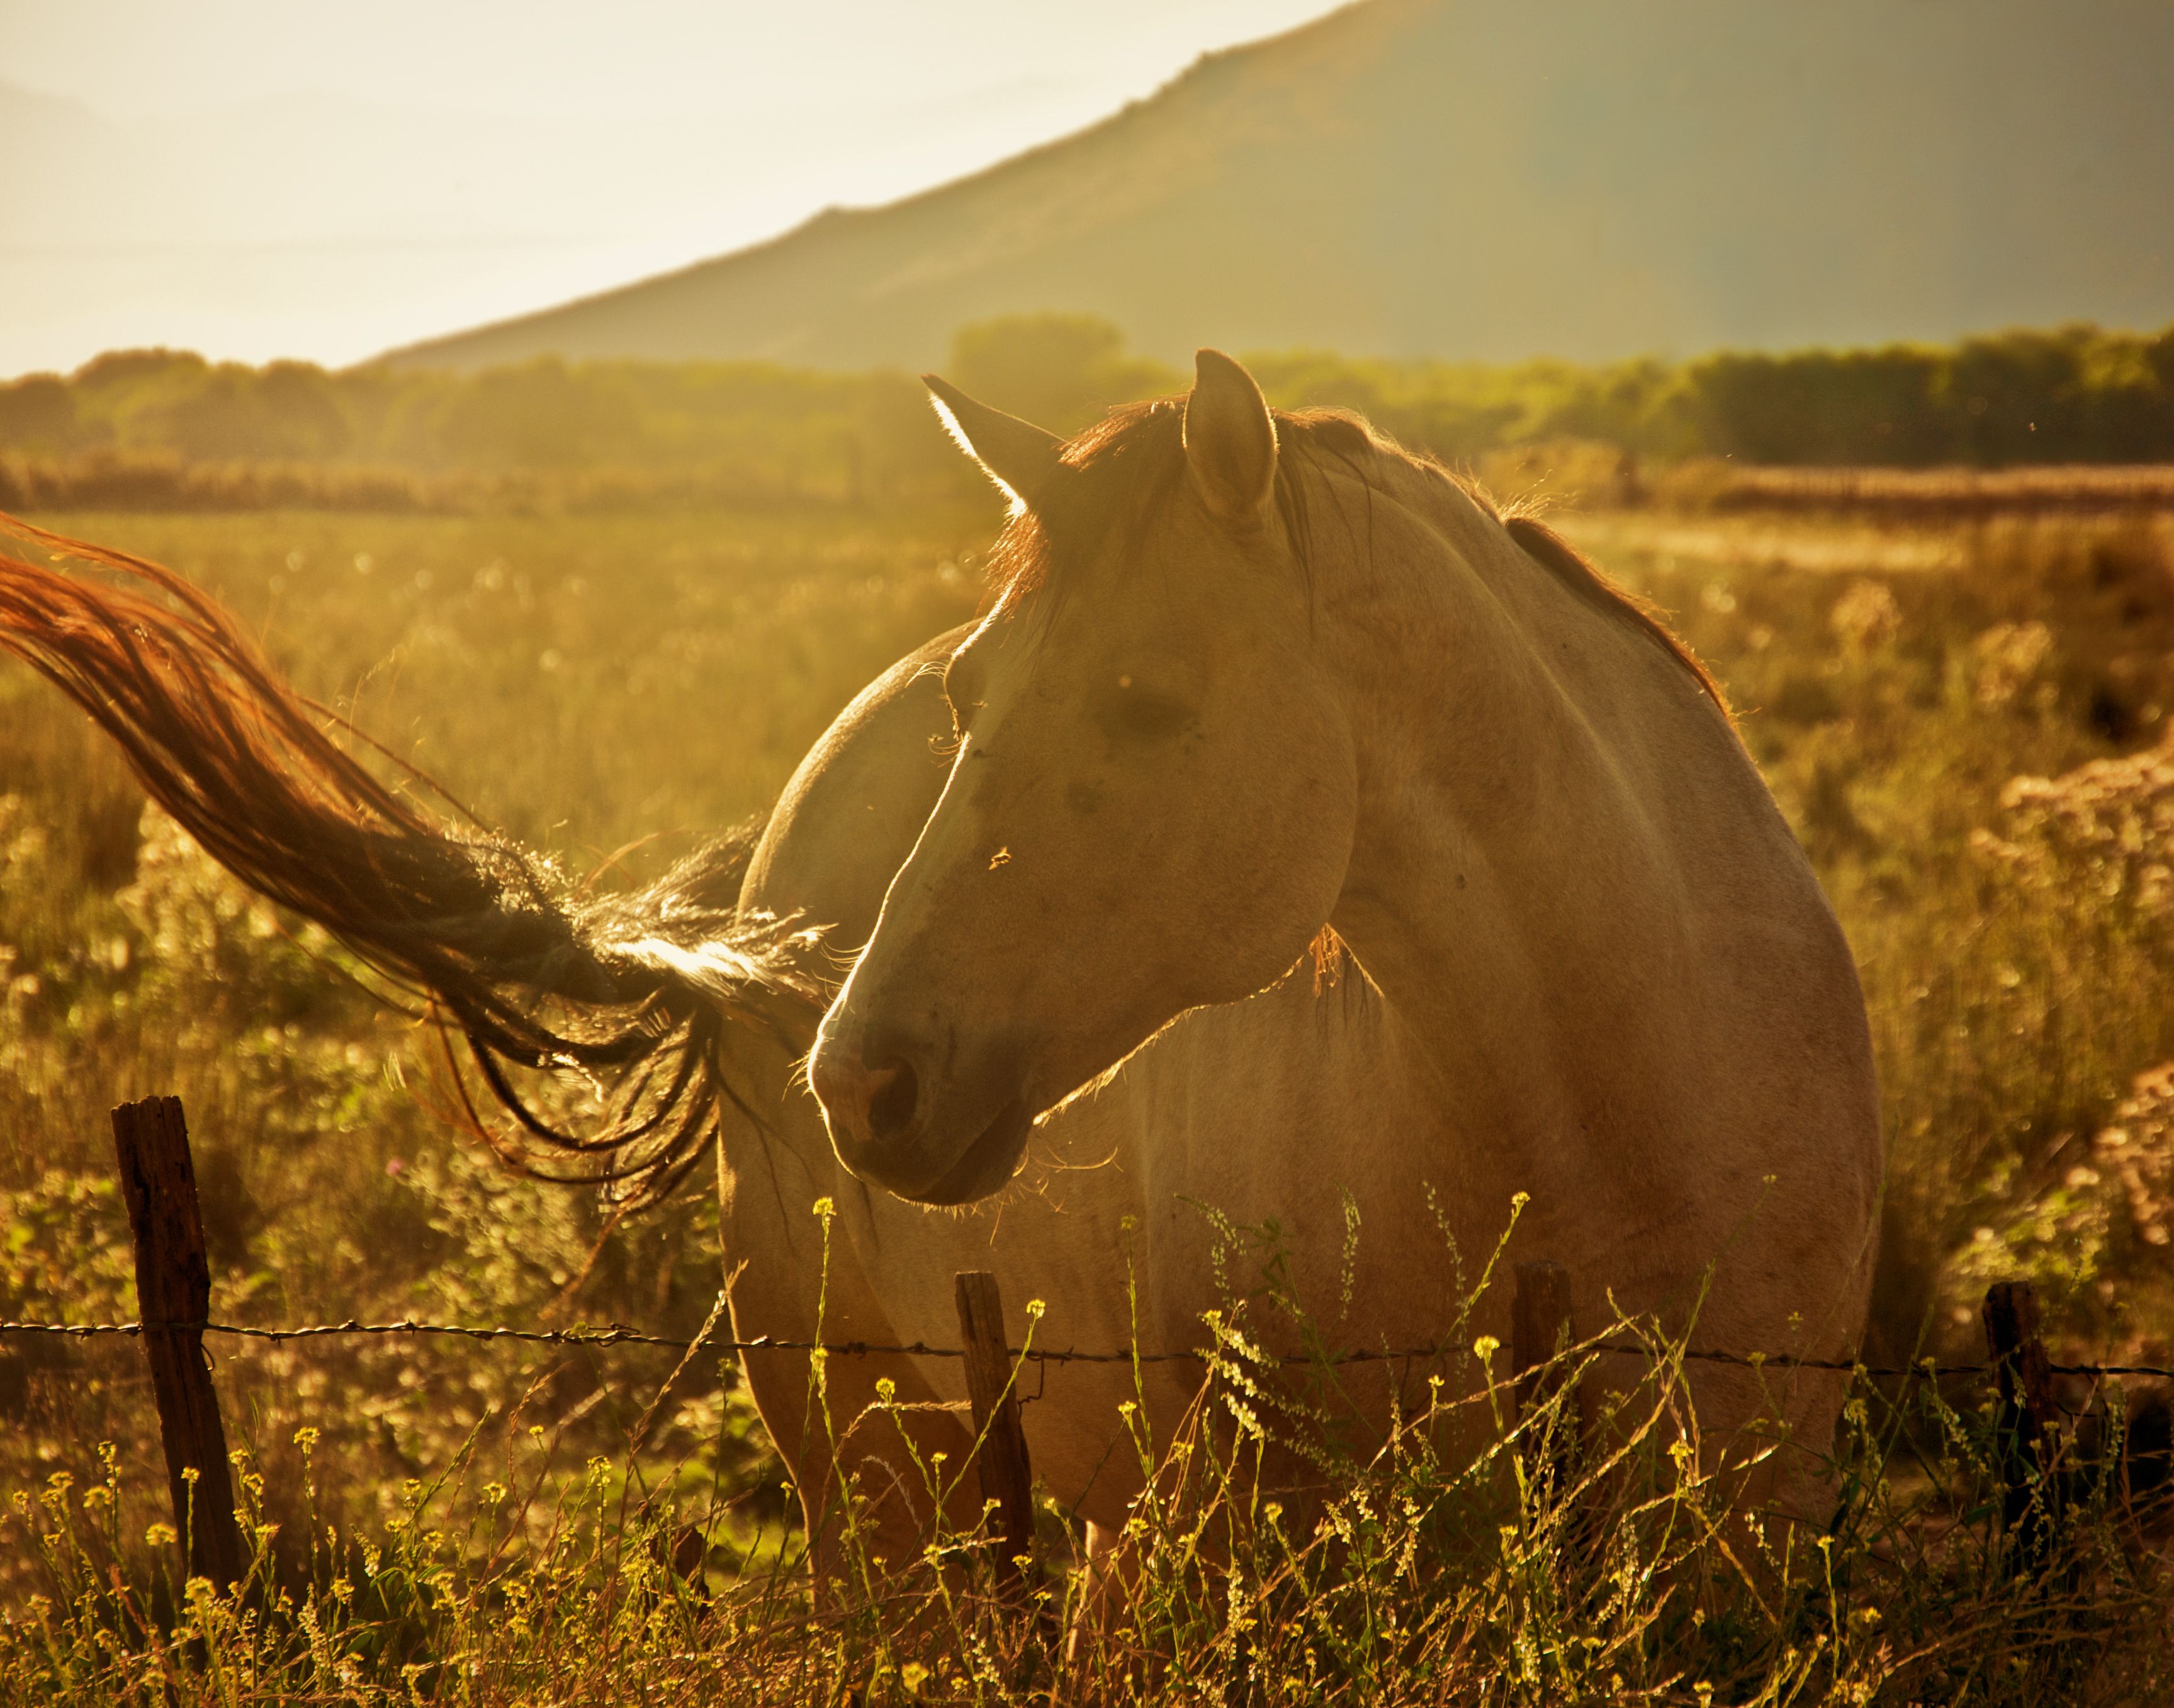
(1151, 804)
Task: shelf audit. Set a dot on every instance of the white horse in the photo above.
(1295, 840)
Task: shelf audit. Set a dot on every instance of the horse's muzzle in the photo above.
(888, 1130)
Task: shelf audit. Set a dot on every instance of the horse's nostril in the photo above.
(894, 1093)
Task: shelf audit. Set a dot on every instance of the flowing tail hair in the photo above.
(635, 989)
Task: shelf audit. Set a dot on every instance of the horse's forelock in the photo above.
(1114, 474)
(1120, 471)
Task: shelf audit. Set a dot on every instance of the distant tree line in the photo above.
(747, 430)
(754, 427)
(2075, 395)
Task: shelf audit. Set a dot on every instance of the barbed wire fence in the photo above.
(158, 1181)
(617, 1334)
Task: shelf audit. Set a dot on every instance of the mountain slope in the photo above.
(1500, 178)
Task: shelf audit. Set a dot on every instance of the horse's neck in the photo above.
(1509, 889)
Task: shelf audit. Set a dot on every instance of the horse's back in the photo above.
(848, 817)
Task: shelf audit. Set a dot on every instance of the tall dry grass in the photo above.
(588, 680)
(1541, 1572)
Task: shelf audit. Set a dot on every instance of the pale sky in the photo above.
(325, 179)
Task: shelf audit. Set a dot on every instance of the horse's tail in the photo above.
(535, 972)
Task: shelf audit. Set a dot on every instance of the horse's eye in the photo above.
(1130, 711)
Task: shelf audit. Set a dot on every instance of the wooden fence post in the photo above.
(1007, 1478)
(173, 1286)
(2029, 1419)
(1540, 1328)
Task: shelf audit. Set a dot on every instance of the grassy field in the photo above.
(588, 686)
(589, 681)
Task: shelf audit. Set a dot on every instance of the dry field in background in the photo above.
(1964, 722)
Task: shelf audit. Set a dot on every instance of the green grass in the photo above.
(588, 682)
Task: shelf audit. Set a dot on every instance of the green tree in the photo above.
(38, 413)
(1059, 370)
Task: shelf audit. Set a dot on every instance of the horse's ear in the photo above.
(1230, 440)
(1017, 455)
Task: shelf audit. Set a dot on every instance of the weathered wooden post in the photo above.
(2030, 1428)
(1007, 1478)
(682, 1552)
(1540, 1328)
(173, 1300)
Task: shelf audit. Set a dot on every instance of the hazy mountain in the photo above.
(1498, 178)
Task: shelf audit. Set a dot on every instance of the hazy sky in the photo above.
(322, 178)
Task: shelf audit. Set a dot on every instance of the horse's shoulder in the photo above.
(847, 819)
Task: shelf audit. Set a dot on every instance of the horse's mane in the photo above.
(1123, 469)
(1592, 584)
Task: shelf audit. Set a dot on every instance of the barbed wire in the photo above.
(619, 1335)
